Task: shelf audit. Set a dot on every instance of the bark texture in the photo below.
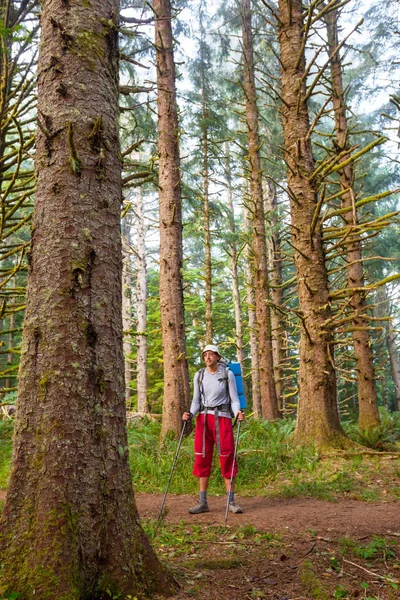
(368, 415)
(318, 419)
(176, 374)
(70, 528)
(269, 403)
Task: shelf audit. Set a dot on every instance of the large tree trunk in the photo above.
(318, 419)
(275, 275)
(269, 403)
(141, 307)
(367, 397)
(176, 374)
(70, 527)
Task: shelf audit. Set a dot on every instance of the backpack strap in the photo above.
(201, 388)
(226, 379)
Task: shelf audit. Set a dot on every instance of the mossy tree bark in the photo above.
(318, 419)
(70, 528)
(269, 402)
(176, 373)
(368, 415)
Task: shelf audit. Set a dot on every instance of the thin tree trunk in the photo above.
(10, 356)
(176, 374)
(126, 306)
(318, 419)
(367, 397)
(141, 307)
(70, 528)
(275, 274)
(383, 310)
(251, 305)
(234, 268)
(206, 200)
(394, 360)
(269, 401)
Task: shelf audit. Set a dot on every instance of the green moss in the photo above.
(310, 581)
(43, 385)
(89, 45)
(29, 570)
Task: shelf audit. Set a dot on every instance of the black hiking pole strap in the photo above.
(170, 476)
(233, 469)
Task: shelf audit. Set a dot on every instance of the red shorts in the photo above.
(202, 464)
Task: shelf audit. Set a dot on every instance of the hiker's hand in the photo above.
(187, 416)
(241, 416)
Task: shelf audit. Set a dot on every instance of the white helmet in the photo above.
(211, 348)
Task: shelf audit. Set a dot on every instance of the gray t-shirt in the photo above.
(214, 386)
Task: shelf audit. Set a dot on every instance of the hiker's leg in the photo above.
(228, 485)
(202, 464)
(203, 484)
(227, 450)
(226, 461)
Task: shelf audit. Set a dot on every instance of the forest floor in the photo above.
(279, 548)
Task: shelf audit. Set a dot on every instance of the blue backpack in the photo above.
(237, 371)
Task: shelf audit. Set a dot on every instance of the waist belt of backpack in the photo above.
(216, 410)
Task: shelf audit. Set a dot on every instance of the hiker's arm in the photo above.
(195, 406)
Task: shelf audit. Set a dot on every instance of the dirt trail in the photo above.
(352, 518)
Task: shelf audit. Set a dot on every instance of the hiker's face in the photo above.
(210, 358)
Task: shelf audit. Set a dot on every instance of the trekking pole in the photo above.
(170, 476)
(233, 468)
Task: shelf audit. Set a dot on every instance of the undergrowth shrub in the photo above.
(265, 449)
(384, 437)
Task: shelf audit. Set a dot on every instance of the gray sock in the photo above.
(231, 496)
(203, 497)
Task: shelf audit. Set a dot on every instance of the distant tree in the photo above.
(141, 306)
(70, 527)
(269, 403)
(18, 32)
(366, 387)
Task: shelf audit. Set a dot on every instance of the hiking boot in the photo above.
(202, 507)
(235, 508)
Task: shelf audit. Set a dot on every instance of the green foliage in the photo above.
(378, 548)
(384, 437)
(340, 592)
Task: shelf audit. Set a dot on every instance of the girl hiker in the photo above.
(216, 400)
